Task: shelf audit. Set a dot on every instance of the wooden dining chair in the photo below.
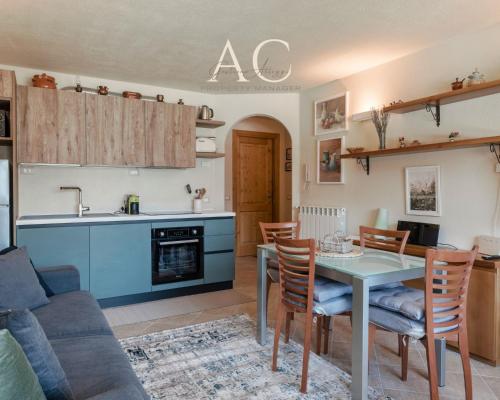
(296, 260)
(383, 239)
(388, 240)
(447, 275)
(284, 230)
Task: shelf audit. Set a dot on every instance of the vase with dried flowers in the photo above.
(380, 118)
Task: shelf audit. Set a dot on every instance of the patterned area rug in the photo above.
(221, 360)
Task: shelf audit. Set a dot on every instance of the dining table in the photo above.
(364, 270)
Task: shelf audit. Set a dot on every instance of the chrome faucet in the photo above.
(81, 207)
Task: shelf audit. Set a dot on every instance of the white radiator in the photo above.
(316, 222)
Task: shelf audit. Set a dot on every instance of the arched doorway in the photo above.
(259, 173)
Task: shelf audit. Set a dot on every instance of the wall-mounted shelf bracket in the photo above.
(365, 164)
(493, 149)
(435, 110)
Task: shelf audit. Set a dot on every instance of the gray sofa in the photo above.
(94, 363)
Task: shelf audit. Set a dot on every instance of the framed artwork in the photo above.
(330, 115)
(330, 165)
(288, 154)
(423, 191)
(288, 166)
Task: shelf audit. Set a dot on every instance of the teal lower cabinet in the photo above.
(219, 267)
(120, 259)
(219, 250)
(114, 259)
(58, 245)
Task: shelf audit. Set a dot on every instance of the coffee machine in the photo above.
(131, 205)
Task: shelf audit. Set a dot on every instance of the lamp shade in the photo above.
(382, 221)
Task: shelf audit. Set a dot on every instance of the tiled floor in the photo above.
(384, 367)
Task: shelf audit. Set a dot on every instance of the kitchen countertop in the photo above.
(110, 217)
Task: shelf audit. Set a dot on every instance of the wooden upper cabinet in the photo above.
(170, 135)
(51, 126)
(7, 84)
(115, 131)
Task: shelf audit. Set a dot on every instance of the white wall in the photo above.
(468, 178)
(160, 189)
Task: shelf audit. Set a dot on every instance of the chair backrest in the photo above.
(447, 275)
(383, 238)
(296, 266)
(284, 230)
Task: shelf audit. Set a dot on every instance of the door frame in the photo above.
(275, 137)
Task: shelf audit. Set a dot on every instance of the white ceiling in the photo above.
(175, 43)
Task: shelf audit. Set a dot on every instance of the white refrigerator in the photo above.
(5, 204)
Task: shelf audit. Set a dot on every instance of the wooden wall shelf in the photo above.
(436, 101)
(209, 123)
(210, 155)
(363, 157)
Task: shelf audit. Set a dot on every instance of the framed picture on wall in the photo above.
(330, 115)
(330, 165)
(288, 166)
(423, 191)
(288, 154)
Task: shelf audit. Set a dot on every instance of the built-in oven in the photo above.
(177, 254)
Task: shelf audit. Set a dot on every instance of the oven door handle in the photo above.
(178, 242)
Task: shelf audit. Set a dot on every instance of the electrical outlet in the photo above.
(26, 170)
(498, 167)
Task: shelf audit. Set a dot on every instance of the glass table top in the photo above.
(371, 263)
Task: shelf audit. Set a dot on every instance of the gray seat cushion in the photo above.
(326, 289)
(19, 285)
(396, 322)
(94, 365)
(337, 305)
(25, 328)
(72, 314)
(407, 301)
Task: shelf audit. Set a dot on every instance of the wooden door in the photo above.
(170, 135)
(115, 131)
(254, 186)
(51, 126)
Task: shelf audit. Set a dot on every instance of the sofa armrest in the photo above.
(127, 392)
(62, 279)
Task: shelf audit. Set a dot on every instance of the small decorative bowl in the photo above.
(355, 149)
(132, 95)
(44, 81)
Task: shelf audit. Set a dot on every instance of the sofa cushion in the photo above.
(43, 284)
(408, 301)
(25, 328)
(17, 379)
(72, 314)
(19, 286)
(95, 364)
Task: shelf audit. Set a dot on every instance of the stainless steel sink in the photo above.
(97, 215)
